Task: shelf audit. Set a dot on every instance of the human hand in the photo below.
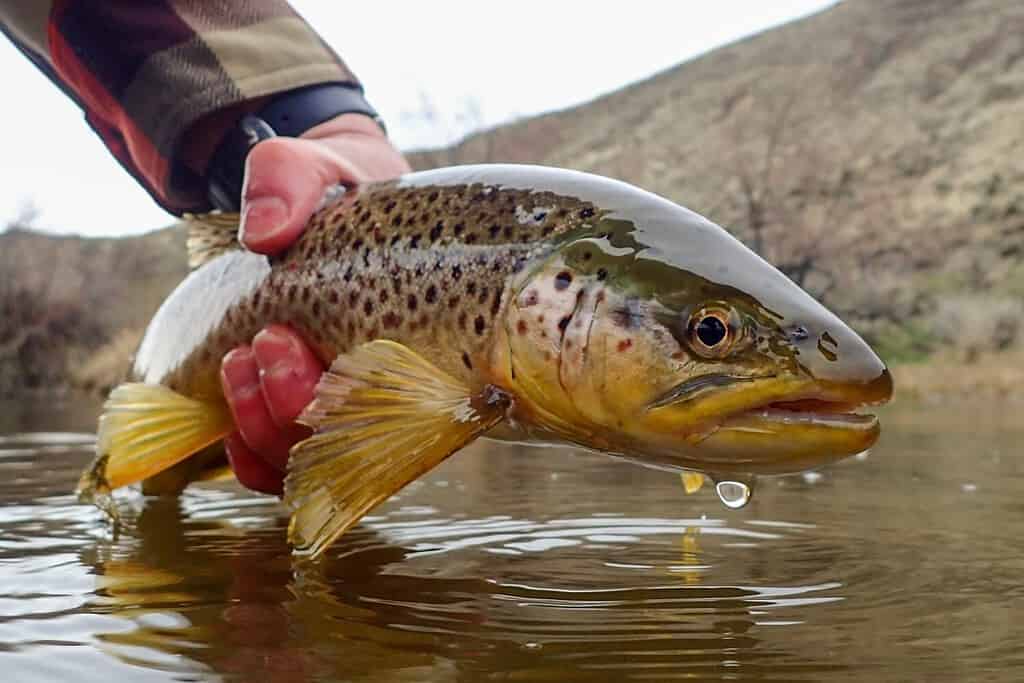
(268, 383)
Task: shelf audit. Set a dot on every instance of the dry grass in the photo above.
(108, 366)
(945, 376)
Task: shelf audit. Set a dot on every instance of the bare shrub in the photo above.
(972, 324)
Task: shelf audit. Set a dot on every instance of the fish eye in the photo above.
(711, 332)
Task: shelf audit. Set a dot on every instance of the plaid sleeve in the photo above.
(144, 72)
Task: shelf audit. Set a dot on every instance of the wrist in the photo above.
(311, 112)
(346, 124)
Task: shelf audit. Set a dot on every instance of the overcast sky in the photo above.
(512, 59)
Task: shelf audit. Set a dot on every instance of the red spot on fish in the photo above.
(521, 327)
(625, 344)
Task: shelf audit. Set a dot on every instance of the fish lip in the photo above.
(817, 407)
(695, 387)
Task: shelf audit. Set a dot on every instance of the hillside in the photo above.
(64, 298)
(874, 151)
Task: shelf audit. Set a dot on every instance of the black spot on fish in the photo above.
(459, 227)
(368, 307)
(471, 287)
(625, 318)
(466, 361)
(358, 244)
(563, 323)
(494, 230)
(389, 207)
(432, 197)
(563, 280)
(436, 231)
(540, 215)
(602, 274)
(412, 302)
(414, 241)
(478, 324)
(391, 320)
(396, 222)
(456, 272)
(462, 320)
(496, 303)
(508, 232)
(453, 302)
(471, 238)
(316, 308)
(394, 239)
(431, 294)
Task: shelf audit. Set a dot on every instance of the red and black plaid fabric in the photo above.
(144, 72)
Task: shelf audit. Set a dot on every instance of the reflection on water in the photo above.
(530, 565)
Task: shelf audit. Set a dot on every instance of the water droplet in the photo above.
(532, 646)
(969, 487)
(733, 494)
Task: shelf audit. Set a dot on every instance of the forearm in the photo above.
(146, 73)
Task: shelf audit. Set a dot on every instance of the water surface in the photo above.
(530, 564)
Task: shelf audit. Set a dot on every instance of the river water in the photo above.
(518, 564)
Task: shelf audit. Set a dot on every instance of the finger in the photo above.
(289, 372)
(252, 471)
(285, 179)
(241, 383)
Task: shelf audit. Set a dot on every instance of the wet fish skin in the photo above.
(513, 302)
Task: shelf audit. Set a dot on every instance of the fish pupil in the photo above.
(711, 331)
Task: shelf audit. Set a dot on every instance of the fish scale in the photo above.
(427, 267)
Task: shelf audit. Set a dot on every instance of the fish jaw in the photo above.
(768, 425)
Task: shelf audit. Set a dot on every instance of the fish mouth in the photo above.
(823, 423)
(776, 425)
(808, 411)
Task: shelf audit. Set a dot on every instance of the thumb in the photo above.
(285, 179)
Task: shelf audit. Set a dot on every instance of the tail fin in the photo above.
(146, 429)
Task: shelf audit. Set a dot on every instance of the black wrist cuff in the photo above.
(289, 114)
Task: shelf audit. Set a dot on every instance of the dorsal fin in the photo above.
(210, 235)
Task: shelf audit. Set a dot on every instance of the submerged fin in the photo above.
(692, 481)
(383, 416)
(146, 429)
(210, 235)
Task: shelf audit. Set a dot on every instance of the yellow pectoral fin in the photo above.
(144, 430)
(383, 416)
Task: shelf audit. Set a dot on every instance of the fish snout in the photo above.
(843, 363)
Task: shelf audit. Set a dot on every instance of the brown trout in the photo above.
(513, 302)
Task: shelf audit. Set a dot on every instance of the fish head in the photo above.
(658, 336)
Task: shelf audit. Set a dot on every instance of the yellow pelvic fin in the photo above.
(383, 416)
(210, 235)
(144, 430)
(692, 481)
